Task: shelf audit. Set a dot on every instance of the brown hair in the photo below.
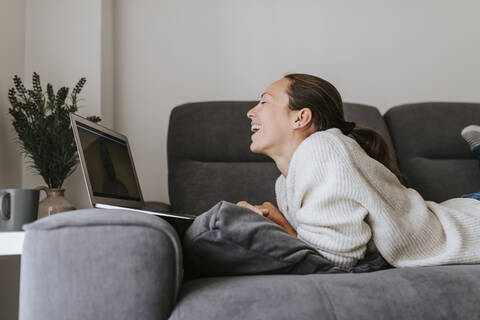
(325, 102)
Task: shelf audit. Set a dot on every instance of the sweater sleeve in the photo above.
(329, 217)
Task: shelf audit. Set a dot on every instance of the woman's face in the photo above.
(272, 120)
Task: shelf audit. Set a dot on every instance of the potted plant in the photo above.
(42, 122)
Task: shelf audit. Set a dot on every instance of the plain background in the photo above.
(141, 58)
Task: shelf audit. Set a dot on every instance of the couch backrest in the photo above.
(209, 157)
(430, 149)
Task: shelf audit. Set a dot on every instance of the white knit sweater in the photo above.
(338, 198)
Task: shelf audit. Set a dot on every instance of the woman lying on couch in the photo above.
(340, 192)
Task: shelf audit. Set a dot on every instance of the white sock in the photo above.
(471, 134)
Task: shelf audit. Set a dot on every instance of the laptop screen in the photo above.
(109, 166)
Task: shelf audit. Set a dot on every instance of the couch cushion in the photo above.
(445, 292)
(233, 240)
(209, 157)
(431, 151)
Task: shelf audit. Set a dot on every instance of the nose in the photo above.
(251, 112)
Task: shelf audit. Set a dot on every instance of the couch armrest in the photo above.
(99, 264)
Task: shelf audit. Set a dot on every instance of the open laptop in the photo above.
(108, 169)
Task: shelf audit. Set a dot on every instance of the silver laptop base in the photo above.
(161, 214)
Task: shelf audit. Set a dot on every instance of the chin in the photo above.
(254, 149)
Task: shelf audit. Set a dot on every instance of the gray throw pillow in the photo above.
(233, 240)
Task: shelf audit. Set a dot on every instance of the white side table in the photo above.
(11, 243)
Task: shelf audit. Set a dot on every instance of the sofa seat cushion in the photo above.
(443, 292)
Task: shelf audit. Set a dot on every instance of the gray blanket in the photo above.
(232, 240)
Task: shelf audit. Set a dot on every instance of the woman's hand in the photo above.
(268, 210)
(257, 209)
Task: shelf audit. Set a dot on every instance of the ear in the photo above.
(302, 119)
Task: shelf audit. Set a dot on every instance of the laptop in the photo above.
(108, 169)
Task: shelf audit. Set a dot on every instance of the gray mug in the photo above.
(17, 207)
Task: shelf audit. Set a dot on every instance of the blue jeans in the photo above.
(476, 195)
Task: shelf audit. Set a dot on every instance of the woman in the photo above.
(340, 192)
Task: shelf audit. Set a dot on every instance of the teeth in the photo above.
(256, 127)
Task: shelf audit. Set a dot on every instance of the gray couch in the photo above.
(112, 264)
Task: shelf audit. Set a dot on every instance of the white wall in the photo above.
(382, 53)
(12, 48)
(62, 40)
(67, 40)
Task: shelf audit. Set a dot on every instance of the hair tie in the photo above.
(348, 127)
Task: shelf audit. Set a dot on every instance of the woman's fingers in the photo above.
(265, 212)
(258, 209)
(247, 205)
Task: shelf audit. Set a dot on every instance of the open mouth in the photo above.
(255, 128)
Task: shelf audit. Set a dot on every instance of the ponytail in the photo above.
(377, 148)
